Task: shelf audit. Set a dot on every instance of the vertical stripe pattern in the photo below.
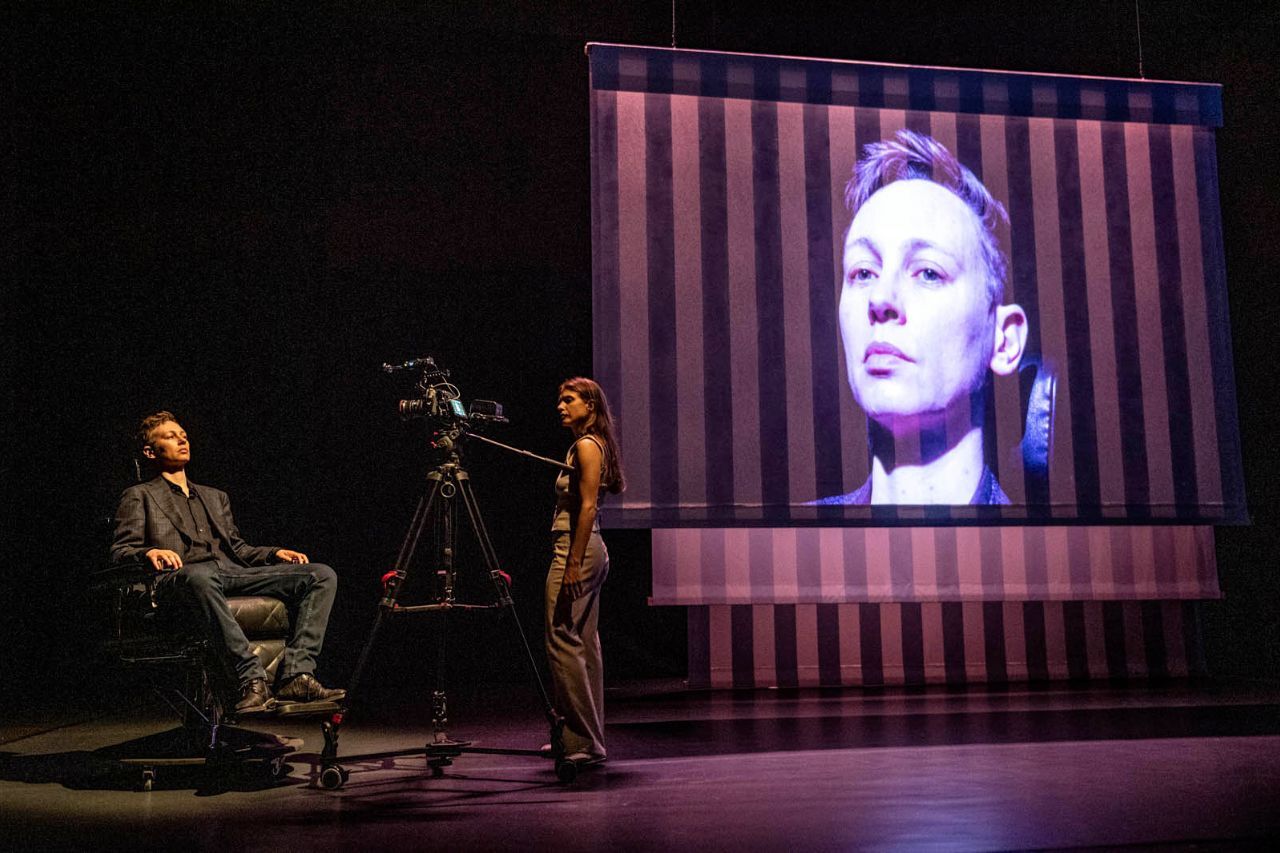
(893, 644)
(717, 228)
(832, 565)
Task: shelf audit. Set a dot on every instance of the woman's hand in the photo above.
(571, 583)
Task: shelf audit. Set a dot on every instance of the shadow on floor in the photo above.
(167, 760)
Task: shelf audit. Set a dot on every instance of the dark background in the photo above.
(238, 213)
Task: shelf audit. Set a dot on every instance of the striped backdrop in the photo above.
(800, 645)
(717, 212)
(921, 564)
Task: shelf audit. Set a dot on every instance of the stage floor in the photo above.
(1174, 766)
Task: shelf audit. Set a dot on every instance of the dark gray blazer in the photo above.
(149, 517)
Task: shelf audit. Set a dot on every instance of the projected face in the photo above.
(916, 317)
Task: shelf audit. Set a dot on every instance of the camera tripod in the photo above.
(448, 483)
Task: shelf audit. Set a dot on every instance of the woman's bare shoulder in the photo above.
(590, 443)
(589, 446)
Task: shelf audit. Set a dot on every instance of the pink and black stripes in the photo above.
(867, 644)
(920, 564)
(718, 219)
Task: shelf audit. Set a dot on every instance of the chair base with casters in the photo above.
(187, 676)
(248, 757)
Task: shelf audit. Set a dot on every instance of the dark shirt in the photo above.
(987, 493)
(204, 545)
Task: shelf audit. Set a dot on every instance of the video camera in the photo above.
(439, 400)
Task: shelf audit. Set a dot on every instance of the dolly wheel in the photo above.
(566, 771)
(334, 777)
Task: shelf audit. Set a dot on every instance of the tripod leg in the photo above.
(333, 724)
(554, 720)
(418, 524)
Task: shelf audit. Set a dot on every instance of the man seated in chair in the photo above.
(187, 533)
(923, 322)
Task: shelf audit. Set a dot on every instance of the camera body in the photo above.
(434, 405)
(440, 402)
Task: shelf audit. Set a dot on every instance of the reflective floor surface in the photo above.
(1174, 766)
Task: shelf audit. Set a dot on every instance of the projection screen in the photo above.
(767, 368)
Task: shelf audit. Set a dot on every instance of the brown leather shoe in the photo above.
(305, 688)
(255, 698)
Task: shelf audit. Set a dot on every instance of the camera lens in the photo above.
(413, 409)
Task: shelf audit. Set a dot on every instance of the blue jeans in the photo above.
(307, 589)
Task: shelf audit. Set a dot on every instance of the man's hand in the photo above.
(284, 555)
(163, 560)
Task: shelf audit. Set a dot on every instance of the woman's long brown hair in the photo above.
(600, 424)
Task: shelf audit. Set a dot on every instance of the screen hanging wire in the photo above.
(673, 23)
(1137, 16)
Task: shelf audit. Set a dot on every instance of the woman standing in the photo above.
(579, 567)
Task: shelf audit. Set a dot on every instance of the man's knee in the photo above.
(323, 575)
(198, 579)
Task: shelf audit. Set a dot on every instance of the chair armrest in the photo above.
(122, 574)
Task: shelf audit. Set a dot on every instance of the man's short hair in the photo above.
(148, 424)
(914, 156)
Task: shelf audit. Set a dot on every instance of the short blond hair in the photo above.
(915, 156)
(148, 425)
